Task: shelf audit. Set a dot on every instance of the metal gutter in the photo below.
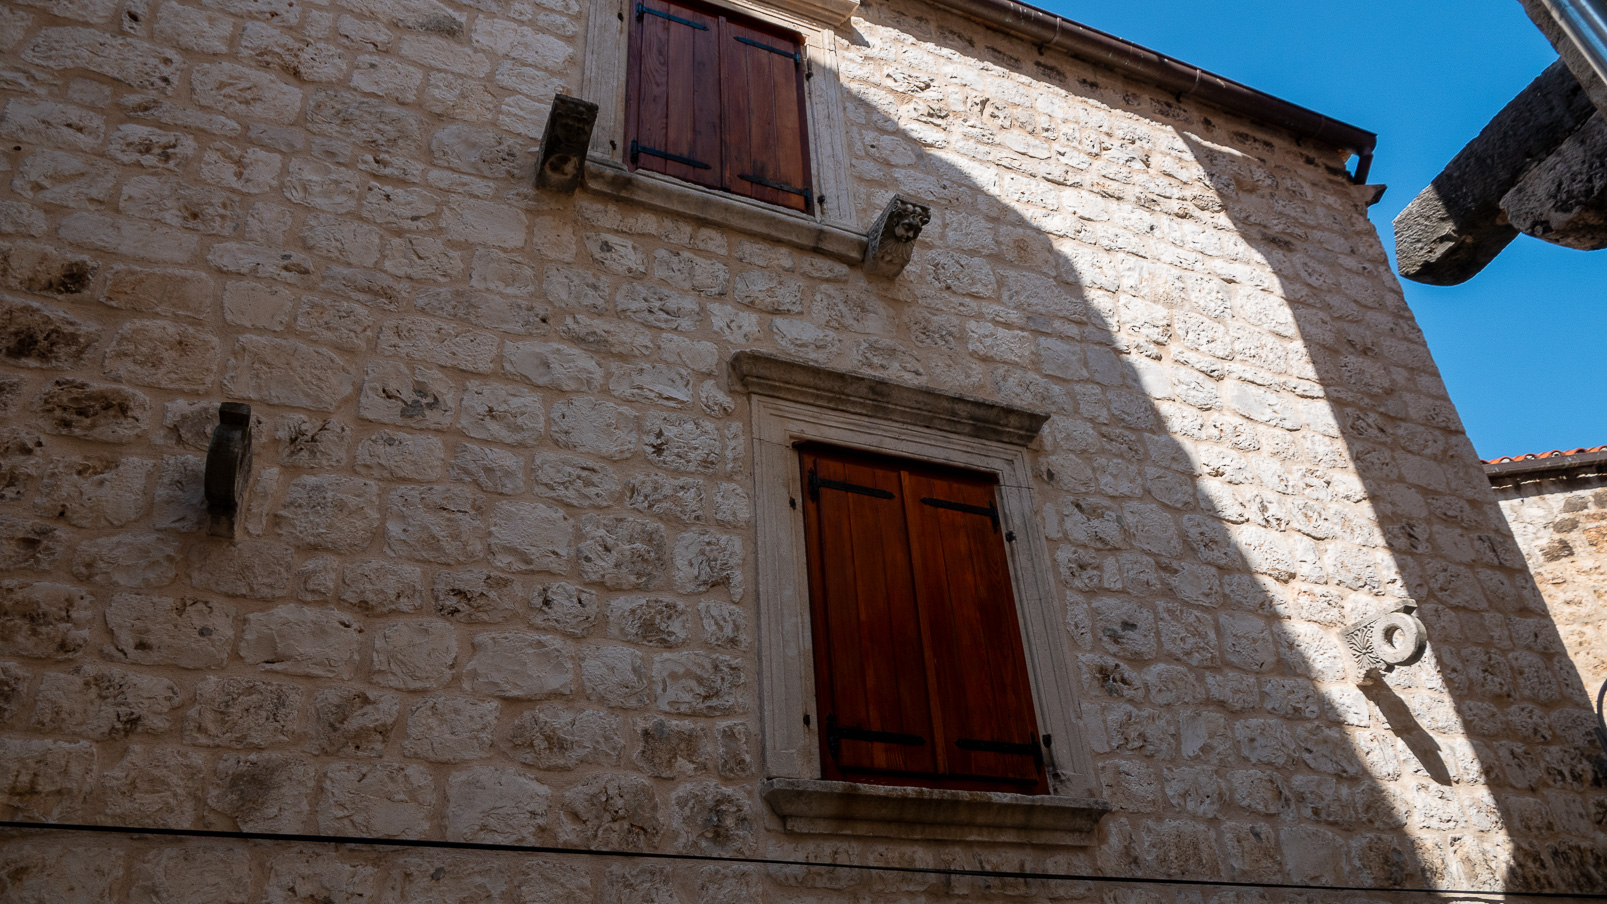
(1585, 22)
(1053, 32)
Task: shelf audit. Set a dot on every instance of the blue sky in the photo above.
(1523, 345)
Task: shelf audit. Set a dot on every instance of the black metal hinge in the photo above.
(778, 186)
(638, 149)
(991, 512)
(789, 54)
(818, 483)
(836, 734)
(641, 8)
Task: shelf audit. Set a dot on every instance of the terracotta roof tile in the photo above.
(1554, 453)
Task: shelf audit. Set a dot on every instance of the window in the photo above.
(718, 100)
(920, 674)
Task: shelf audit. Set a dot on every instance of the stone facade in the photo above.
(494, 579)
(1558, 515)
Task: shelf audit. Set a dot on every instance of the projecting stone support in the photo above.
(1456, 226)
(1564, 199)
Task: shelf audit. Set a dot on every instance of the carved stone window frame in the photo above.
(790, 403)
(831, 229)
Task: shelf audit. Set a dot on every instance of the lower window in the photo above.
(920, 674)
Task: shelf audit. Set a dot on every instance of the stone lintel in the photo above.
(812, 806)
(785, 378)
(1455, 226)
(610, 179)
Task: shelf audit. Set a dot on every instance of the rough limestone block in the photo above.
(417, 654)
(193, 872)
(574, 480)
(447, 729)
(554, 738)
(707, 818)
(352, 722)
(612, 812)
(56, 871)
(301, 640)
(705, 559)
(256, 569)
(263, 792)
(155, 786)
(49, 621)
(519, 667)
(647, 620)
(439, 524)
(188, 632)
(319, 875)
(564, 607)
(98, 411)
(622, 553)
(242, 712)
(475, 596)
(531, 537)
(616, 676)
(135, 559)
(100, 702)
(329, 512)
(698, 683)
(382, 586)
(495, 804)
(45, 780)
(36, 335)
(670, 749)
(384, 800)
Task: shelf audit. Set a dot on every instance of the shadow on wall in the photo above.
(1250, 449)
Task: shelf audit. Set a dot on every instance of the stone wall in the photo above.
(1561, 526)
(494, 577)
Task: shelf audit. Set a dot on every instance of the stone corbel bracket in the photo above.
(228, 468)
(1391, 638)
(564, 142)
(892, 237)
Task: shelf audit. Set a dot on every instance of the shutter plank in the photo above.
(673, 93)
(980, 683)
(870, 669)
(765, 117)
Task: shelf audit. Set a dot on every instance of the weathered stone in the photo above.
(45, 780)
(299, 640)
(734, 749)
(29, 544)
(242, 712)
(150, 148)
(193, 873)
(519, 667)
(286, 372)
(530, 537)
(1563, 199)
(554, 365)
(657, 622)
(52, 124)
(35, 335)
(549, 737)
(574, 480)
(177, 203)
(417, 654)
(52, 871)
(246, 93)
(501, 413)
(711, 819)
(492, 470)
(258, 306)
(155, 786)
(565, 607)
(705, 559)
(353, 722)
(698, 683)
(496, 805)
(381, 587)
(438, 342)
(155, 353)
(611, 812)
(435, 524)
(680, 443)
(594, 427)
(445, 729)
(329, 512)
(392, 455)
(100, 702)
(376, 800)
(257, 569)
(617, 676)
(133, 559)
(621, 553)
(94, 493)
(98, 411)
(303, 876)
(417, 396)
(656, 383)
(154, 630)
(724, 625)
(48, 621)
(669, 749)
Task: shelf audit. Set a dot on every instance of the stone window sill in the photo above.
(811, 806)
(610, 179)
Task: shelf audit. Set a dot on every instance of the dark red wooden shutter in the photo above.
(674, 93)
(870, 669)
(980, 684)
(919, 667)
(766, 140)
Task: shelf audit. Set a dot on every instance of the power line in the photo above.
(771, 861)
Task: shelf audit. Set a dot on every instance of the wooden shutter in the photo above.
(674, 93)
(870, 671)
(979, 673)
(766, 137)
(919, 668)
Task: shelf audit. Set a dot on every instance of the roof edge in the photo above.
(1048, 30)
(1549, 466)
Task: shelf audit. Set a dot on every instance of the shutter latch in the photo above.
(836, 734)
(789, 54)
(778, 186)
(1031, 748)
(991, 512)
(638, 149)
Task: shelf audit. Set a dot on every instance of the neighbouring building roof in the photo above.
(1557, 460)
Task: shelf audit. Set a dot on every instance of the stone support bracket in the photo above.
(228, 468)
(564, 143)
(1392, 638)
(891, 239)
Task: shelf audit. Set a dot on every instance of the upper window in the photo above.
(718, 100)
(920, 675)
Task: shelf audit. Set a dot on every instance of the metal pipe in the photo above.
(1585, 23)
(1091, 45)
